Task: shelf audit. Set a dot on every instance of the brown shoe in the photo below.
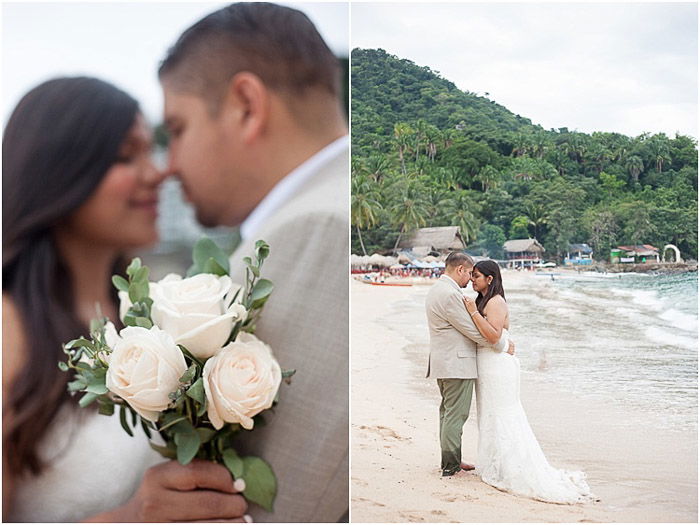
(466, 466)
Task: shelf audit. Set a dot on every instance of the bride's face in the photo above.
(480, 282)
(122, 211)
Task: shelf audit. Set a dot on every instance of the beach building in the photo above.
(523, 253)
(637, 253)
(436, 241)
(579, 254)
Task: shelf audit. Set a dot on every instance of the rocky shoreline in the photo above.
(643, 268)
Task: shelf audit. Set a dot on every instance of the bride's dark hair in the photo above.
(489, 268)
(59, 143)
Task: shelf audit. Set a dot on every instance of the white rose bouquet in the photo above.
(187, 364)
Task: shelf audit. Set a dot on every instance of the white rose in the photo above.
(195, 311)
(241, 381)
(145, 367)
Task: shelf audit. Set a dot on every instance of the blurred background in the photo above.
(123, 43)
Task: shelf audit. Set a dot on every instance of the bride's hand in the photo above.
(470, 304)
(199, 491)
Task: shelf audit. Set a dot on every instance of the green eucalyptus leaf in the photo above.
(87, 399)
(260, 481)
(288, 373)
(143, 322)
(97, 388)
(123, 421)
(77, 385)
(134, 265)
(141, 275)
(167, 451)
(81, 342)
(212, 266)
(233, 462)
(62, 365)
(189, 374)
(206, 434)
(187, 443)
(202, 409)
(261, 290)
(196, 391)
(206, 249)
(130, 320)
(262, 250)
(138, 291)
(120, 283)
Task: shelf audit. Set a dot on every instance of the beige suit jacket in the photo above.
(305, 322)
(453, 335)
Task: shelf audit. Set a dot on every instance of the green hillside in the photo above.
(427, 154)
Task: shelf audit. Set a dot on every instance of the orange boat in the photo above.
(387, 284)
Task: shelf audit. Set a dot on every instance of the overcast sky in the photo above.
(119, 42)
(625, 67)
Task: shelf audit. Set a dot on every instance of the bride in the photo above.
(79, 191)
(509, 456)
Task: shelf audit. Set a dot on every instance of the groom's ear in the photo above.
(247, 105)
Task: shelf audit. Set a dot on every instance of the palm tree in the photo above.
(378, 166)
(463, 212)
(635, 166)
(409, 210)
(488, 177)
(420, 131)
(364, 205)
(537, 216)
(661, 153)
(402, 140)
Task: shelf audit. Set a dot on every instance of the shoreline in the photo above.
(641, 471)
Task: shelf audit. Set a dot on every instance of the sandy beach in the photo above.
(640, 469)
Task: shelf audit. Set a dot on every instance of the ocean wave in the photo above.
(680, 319)
(665, 338)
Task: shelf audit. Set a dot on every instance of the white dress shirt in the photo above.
(289, 185)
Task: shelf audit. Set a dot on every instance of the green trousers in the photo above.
(454, 411)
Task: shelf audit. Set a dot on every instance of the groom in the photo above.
(259, 139)
(452, 360)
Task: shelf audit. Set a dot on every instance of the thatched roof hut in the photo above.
(516, 246)
(441, 239)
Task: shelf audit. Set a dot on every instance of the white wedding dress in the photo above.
(509, 456)
(94, 466)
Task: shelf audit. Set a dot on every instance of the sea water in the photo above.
(629, 339)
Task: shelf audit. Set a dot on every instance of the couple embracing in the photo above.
(470, 349)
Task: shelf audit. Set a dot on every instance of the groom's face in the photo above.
(205, 154)
(465, 275)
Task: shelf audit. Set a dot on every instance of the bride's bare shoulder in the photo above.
(14, 345)
(497, 304)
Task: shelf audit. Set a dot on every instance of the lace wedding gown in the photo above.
(94, 466)
(509, 456)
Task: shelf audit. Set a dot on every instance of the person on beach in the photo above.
(509, 456)
(258, 138)
(79, 191)
(452, 359)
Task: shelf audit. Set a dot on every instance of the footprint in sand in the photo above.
(451, 498)
(371, 502)
(411, 517)
(385, 432)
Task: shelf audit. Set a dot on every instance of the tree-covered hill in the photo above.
(427, 154)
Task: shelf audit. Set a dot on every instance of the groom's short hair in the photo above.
(278, 44)
(455, 259)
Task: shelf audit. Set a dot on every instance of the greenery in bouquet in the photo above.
(187, 366)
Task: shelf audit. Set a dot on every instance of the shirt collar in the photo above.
(285, 189)
(451, 280)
